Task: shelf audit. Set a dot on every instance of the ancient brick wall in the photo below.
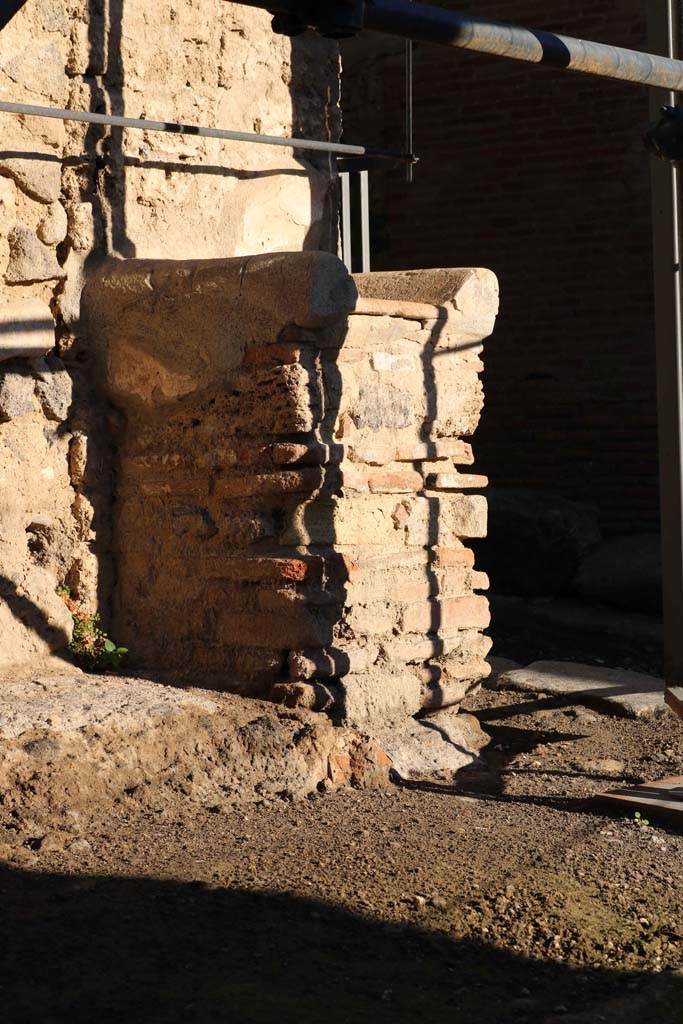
(294, 485)
(72, 194)
(540, 175)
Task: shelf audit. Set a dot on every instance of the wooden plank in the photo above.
(662, 799)
(674, 698)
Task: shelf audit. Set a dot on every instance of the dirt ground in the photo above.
(501, 899)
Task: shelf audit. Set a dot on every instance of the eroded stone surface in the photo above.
(73, 740)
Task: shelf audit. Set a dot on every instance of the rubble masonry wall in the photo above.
(73, 194)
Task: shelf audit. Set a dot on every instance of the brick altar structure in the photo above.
(293, 497)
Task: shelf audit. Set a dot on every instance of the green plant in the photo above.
(640, 821)
(90, 645)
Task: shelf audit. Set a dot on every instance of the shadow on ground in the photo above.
(77, 948)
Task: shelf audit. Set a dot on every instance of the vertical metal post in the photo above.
(409, 107)
(347, 256)
(365, 221)
(664, 29)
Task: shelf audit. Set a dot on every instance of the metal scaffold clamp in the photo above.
(665, 138)
(337, 20)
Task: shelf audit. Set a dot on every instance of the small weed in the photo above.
(90, 645)
(640, 821)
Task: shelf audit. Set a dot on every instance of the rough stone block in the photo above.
(468, 298)
(332, 662)
(54, 388)
(443, 519)
(29, 259)
(456, 481)
(53, 228)
(16, 395)
(37, 173)
(379, 696)
(444, 616)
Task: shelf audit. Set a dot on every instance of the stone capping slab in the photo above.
(310, 289)
(632, 694)
(399, 308)
(27, 330)
(165, 329)
(467, 298)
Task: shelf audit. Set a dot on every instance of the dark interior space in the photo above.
(541, 176)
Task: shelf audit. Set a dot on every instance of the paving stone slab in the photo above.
(632, 694)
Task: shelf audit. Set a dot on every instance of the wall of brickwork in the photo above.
(541, 176)
(294, 495)
(73, 194)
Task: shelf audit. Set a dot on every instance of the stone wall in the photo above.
(292, 508)
(72, 194)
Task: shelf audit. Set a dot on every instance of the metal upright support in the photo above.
(665, 35)
(365, 221)
(345, 179)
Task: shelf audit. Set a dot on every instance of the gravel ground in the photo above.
(503, 897)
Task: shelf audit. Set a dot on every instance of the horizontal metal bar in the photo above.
(428, 24)
(115, 121)
(439, 25)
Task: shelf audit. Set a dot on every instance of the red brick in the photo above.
(454, 556)
(260, 569)
(394, 481)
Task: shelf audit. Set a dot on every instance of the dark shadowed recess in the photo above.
(88, 949)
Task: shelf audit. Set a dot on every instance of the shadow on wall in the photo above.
(109, 162)
(110, 949)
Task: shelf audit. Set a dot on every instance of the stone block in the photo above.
(443, 520)
(467, 299)
(27, 330)
(332, 662)
(460, 452)
(138, 309)
(53, 227)
(379, 696)
(416, 648)
(366, 519)
(78, 458)
(456, 481)
(16, 395)
(29, 259)
(34, 168)
(54, 388)
(445, 615)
